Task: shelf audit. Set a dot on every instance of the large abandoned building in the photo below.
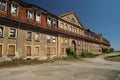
(29, 31)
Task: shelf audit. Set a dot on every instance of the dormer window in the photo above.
(14, 9)
(38, 17)
(55, 22)
(2, 5)
(48, 21)
(30, 14)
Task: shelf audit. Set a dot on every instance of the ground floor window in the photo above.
(37, 50)
(1, 50)
(11, 50)
(28, 50)
(62, 51)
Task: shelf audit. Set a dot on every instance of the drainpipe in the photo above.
(17, 40)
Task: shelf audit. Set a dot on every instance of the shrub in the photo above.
(88, 54)
(107, 50)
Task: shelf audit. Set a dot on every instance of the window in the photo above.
(12, 32)
(2, 5)
(36, 50)
(0, 50)
(14, 9)
(48, 52)
(30, 14)
(29, 35)
(55, 22)
(48, 21)
(36, 36)
(38, 17)
(11, 50)
(62, 51)
(48, 39)
(54, 39)
(28, 50)
(1, 31)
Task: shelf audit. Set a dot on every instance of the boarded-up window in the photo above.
(0, 50)
(28, 50)
(11, 50)
(62, 51)
(36, 51)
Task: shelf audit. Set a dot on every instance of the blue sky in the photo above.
(102, 16)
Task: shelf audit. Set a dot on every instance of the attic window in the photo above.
(38, 17)
(14, 9)
(30, 14)
(3, 5)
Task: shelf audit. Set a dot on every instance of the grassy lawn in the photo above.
(113, 58)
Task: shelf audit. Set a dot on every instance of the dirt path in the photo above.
(90, 69)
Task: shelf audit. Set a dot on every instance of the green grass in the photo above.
(113, 58)
(88, 55)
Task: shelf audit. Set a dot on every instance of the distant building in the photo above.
(28, 31)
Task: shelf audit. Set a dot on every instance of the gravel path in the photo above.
(89, 69)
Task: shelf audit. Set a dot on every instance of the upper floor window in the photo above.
(36, 36)
(48, 21)
(12, 32)
(48, 39)
(38, 17)
(1, 31)
(30, 14)
(54, 39)
(14, 9)
(29, 35)
(2, 5)
(55, 22)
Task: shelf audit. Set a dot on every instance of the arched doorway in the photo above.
(73, 45)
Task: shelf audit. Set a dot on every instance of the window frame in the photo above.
(54, 22)
(30, 50)
(38, 14)
(15, 33)
(35, 50)
(38, 36)
(5, 6)
(27, 36)
(48, 38)
(54, 38)
(8, 54)
(49, 23)
(16, 8)
(28, 13)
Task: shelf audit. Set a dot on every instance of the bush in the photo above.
(70, 51)
(88, 54)
(107, 50)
